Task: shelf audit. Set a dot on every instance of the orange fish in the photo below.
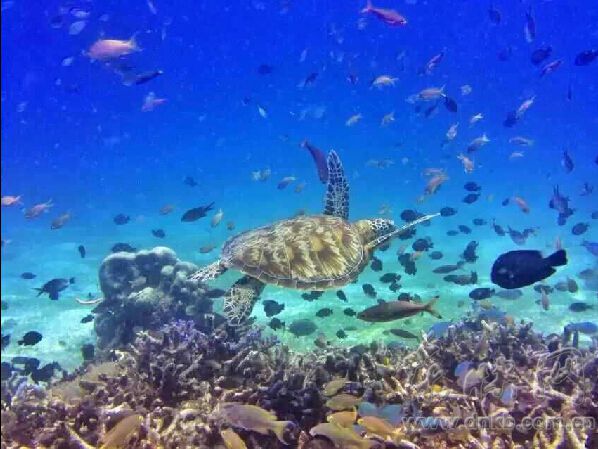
(104, 49)
(60, 221)
(38, 209)
(9, 200)
(435, 182)
(468, 164)
(522, 204)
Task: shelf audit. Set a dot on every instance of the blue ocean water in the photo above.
(74, 133)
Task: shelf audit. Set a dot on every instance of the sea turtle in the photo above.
(312, 252)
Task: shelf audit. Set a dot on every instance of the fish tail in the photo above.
(71, 280)
(133, 41)
(368, 7)
(278, 427)
(39, 290)
(558, 258)
(430, 307)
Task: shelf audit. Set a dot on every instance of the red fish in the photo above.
(388, 16)
(550, 67)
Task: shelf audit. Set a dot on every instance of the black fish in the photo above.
(394, 286)
(436, 255)
(276, 324)
(498, 229)
(4, 305)
(54, 287)
(567, 162)
(5, 340)
(450, 104)
(586, 57)
(481, 293)
(45, 373)
(158, 233)
(479, 222)
(145, 77)
(471, 198)
(341, 295)
(540, 54)
(410, 215)
(505, 202)
(369, 290)
(452, 233)
(469, 254)
(197, 213)
(516, 269)
(28, 275)
(579, 228)
(323, 313)
(82, 251)
(388, 278)
(341, 334)
(494, 15)
(6, 371)
(349, 312)
(302, 328)
(123, 247)
(472, 186)
(121, 219)
(319, 159)
(265, 69)
(189, 181)
(445, 269)
(310, 79)
(30, 338)
(376, 264)
(407, 262)
(462, 279)
(511, 119)
(447, 211)
(580, 306)
(403, 334)
(422, 244)
(272, 308)
(87, 319)
(464, 229)
(88, 351)
(505, 54)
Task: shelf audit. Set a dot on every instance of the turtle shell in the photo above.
(306, 252)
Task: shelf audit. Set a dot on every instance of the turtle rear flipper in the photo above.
(240, 299)
(336, 202)
(208, 272)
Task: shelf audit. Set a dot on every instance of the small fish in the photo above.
(262, 112)
(384, 81)
(343, 419)
(353, 120)
(105, 49)
(388, 119)
(146, 77)
(580, 307)
(272, 308)
(28, 275)
(579, 228)
(118, 435)
(522, 204)
(207, 248)
(521, 141)
(448, 211)
(586, 57)
(452, 132)
(342, 401)
(324, 313)
(87, 319)
(230, 225)
(276, 324)
(349, 312)
(567, 162)
(151, 102)
(550, 67)
(369, 290)
(10, 200)
(481, 293)
(445, 269)
(475, 118)
(494, 15)
(545, 301)
(121, 219)
(265, 69)
(232, 440)
(197, 213)
(432, 63)
(76, 27)
(216, 218)
(37, 210)
(159, 233)
(341, 295)
(166, 209)
(123, 247)
(252, 417)
(388, 16)
(471, 198)
(342, 437)
(319, 159)
(190, 181)
(376, 264)
(529, 29)
(472, 186)
(394, 310)
(402, 333)
(341, 334)
(284, 182)
(539, 55)
(53, 287)
(450, 104)
(31, 338)
(82, 251)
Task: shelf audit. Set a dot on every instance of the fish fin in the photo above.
(368, 7)
(430, 307)
(53, 296)
(39, 291)
(278, 427)
(71, 280)
(558, 258)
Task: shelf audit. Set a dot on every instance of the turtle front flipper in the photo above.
(336, 202)
(208, 272)
(240, 299)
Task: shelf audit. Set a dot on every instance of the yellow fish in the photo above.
(343, 419)
(332, 387)
(342, 437)
(379, 426)
(232, 440)
(342, 402)
(252, 417)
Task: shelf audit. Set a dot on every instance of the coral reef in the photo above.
(144, 290)
(481, 386)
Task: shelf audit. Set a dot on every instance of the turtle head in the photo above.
(374, 232)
